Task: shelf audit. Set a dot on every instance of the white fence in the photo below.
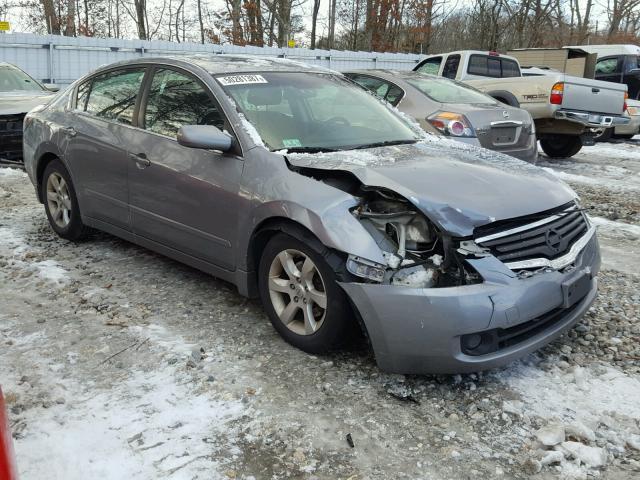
(61, 60)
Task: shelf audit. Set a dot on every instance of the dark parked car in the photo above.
(300, 187)
(19, 93)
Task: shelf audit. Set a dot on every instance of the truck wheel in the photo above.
(561, 146)
(602, 134)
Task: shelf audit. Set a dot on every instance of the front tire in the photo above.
(561, 146)
(300, 294)
(60, 202)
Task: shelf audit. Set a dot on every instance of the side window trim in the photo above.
(383, 80)
(146, 89)
(91, 80)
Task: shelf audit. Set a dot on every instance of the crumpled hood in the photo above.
(12, 103)
(457, 186)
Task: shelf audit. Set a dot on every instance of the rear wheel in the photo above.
(561, 146)
(300, 294)
(60, 202)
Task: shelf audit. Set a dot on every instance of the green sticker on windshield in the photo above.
(291, 142)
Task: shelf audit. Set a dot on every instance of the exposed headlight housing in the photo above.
(452, 124)
(363, 268)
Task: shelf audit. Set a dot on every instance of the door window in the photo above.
(177, 99)
(112, 95)
(607, 66)
(430, 66)
(451, 66)
(491, 66)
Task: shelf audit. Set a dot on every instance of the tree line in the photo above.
(416, 26)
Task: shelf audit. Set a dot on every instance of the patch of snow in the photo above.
(585, 394)
(51, 271)
(611, 226)
(416, 277)
(6, 172)
(622, 151)
(251, 130)
(150, 427)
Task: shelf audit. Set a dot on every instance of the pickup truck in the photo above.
(565, 109)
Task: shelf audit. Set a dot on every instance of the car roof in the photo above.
(392, 75)
(221, 63)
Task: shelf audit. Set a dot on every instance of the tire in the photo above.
(603, 135)
(286, 306)
(561, 146)
(61, 202)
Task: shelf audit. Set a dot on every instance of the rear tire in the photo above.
(314, 315)
(561, 146)
(60, 202)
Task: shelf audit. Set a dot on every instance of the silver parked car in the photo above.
(19, 93)
(454, 109)
(299, 187)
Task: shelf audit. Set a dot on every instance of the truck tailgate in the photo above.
(595, 96)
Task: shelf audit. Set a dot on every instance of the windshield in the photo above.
(448, 91)
(314, 111)
(12, 79)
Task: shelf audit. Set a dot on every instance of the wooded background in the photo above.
(416, 26)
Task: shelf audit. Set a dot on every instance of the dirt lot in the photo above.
(121, 364)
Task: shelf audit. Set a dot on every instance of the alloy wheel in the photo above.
(297, 292)
(58, 200)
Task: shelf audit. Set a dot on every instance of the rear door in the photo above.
(105, 112)
(183, 198)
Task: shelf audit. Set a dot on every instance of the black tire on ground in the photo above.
(603, 135)
(339, 325)
(561, 146)
(75, 229)
(625, 137)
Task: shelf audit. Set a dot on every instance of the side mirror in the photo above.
(205, 137)
(52, 87)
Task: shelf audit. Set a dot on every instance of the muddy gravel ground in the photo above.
(117, 363)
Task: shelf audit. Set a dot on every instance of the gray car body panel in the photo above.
(457, 187)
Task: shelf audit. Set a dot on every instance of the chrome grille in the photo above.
(534, 241)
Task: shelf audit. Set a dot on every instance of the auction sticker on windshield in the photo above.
(241, 79)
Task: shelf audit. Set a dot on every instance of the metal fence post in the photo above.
(50, 65)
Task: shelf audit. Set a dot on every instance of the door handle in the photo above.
(141, 160)
(69, 131)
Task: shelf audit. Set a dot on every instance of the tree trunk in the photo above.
(314, 22)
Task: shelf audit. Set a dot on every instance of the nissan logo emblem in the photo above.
(505, 114)
(554, 239)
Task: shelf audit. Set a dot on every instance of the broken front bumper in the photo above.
(593, 120)
(418, 330)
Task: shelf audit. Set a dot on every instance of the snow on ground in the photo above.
(583, 394)
(148, 427)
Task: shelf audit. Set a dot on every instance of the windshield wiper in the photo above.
(383, 144)
(310, 149)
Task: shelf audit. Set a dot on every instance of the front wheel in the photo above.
(299, 291)
(561, 146)
(60, 202)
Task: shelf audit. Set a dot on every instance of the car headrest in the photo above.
(262, 96)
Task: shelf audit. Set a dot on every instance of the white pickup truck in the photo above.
(565, 108)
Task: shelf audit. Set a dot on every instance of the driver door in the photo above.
(182, 198)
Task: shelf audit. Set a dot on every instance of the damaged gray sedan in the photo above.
(301, 188)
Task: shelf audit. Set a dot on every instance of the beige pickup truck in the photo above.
(565, 109)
